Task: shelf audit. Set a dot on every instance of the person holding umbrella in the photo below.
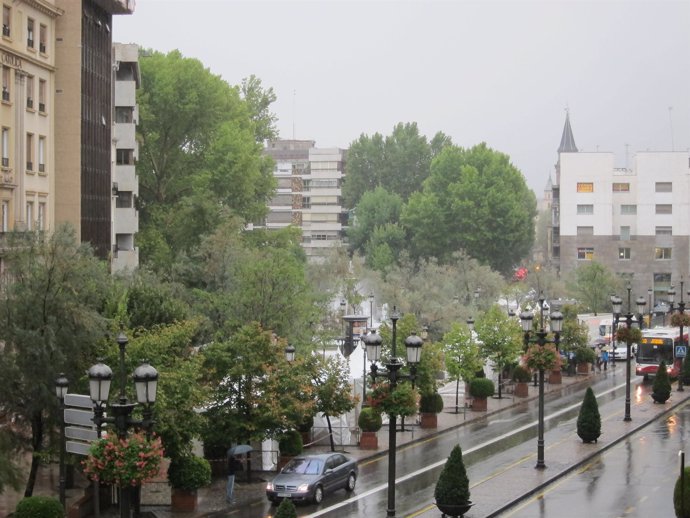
(234, 466)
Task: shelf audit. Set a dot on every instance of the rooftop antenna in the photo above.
(670, 122)
(627, 150)
(294, 95)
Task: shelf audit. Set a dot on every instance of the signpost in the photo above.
(680, 351)
(82, 432)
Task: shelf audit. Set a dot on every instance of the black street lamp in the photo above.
(413, 345)
(541, 339)
(615, 299)
(61, 384)
(145, 382)
(681, 311)
(616, 302)
(650, 292)
(371, 311)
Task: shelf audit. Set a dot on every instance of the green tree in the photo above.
(376, 209)
(574, 334)
(591, 284)
(333, 390)
(10, 472)
(474, 200)
(50, 309)
(462, 356)
(588, 419)
(453, 486)
(259, 101)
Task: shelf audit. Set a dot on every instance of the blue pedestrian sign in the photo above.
(680, 351)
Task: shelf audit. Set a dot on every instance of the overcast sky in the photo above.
(500, 72)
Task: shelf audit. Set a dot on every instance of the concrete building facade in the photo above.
(635, 221)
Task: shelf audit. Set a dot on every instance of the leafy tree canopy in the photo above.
(500, 336)
(591, 284)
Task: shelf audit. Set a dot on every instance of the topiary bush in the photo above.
(661, 388)
(369, 419)
(521, 374)
(39, 507)
(290, 443)
(482, 387)
(189, 473)
(286, 509)
(585, 354)
(431, 403)
(453, 486)
(685, 513)
(589, 420)
(685, 371)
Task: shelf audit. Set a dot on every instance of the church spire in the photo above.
(567, 140)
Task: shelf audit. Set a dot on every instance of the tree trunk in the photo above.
(36, 443)
(330, 433)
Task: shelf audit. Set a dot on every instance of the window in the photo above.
(663, 231)
(29, 215)
(621, 187)
(29, 151)
(585, 187)
(625, 233)
(124, 114)
(30, 92)
(41, 216)
(41, 154)
(124, 200)
(41, 95)
(5, 147)
(30, 33)
(628, 210)
(662, 253)
(6, 17)
(663, 208)
(585, 254)
(124, 157)
(6, 84)
(585, 231)
(5, 222)
(663, 187)
(585, 209)
(42, 38)
(624, 254)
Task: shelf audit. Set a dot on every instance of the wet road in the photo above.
(634, 478)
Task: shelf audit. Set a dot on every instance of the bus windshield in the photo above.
(652, 350)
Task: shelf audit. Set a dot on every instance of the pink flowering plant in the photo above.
(124, 462)
(544, 357)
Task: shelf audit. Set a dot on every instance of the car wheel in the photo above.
(318, 495)
(351, 481)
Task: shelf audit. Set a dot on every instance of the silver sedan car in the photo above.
(308, 477)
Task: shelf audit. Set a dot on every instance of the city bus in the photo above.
(659, 344)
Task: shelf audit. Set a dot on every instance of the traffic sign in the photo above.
(78, 400)
(80, 417)
(82, 434)
(680, 351)
(77, 447)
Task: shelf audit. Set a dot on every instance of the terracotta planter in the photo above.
(584, 368)
(521, 389)
(479, 404)
(369, 441)
(455, 511)
(183, 500)
(555, 377)
(428, 420)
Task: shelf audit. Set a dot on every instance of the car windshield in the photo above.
(304, 466)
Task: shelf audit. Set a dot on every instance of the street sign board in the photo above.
(82, 434)
(680, 351)
(78, 400)
(77, 447)
(80, 417)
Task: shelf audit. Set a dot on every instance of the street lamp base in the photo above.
(627, 418)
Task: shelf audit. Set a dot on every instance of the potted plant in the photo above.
(589, 420)
(186, 474)
(452, 491)
(584, 358)
(661, 388)
(681, 494)
(401, 402)
(430, 405)
(369, 422)
(289, 444)
(480, 390)
(521, 377)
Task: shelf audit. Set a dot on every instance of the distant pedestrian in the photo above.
(234, 466)
(597, 350)
(605, 358)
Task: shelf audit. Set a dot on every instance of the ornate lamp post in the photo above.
(650, 292)
(616, 302)
(681, 313)
(145, 382)
(541, 339)
(413, 344)
(61, 385)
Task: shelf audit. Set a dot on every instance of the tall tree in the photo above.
(333, 390)
(591, 284)
(474, 200)
(49, 306)
(501, 337)
(259, 101)
(375, 209)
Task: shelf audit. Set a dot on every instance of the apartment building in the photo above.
(636, 220)
(83, 108)
(309, 193)
(125, 186)
(27, 114)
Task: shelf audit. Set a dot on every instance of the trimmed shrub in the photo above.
(685, 372)
(589, 420)
(369, 419)
(521, 374)
(431, 403)
(290, 443)
(482, 387)
(39, 507)
(286, 509)
(453, 486)
(189, 473)
(585, 355)
(661, 388)
(686, 495)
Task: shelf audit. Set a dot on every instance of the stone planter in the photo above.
(369, 441)
(428, 420)
(183, 500)
(555, 377)
(521, 389)
(584, 368)
(661, 398)
(454, 511)
(479, 404)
